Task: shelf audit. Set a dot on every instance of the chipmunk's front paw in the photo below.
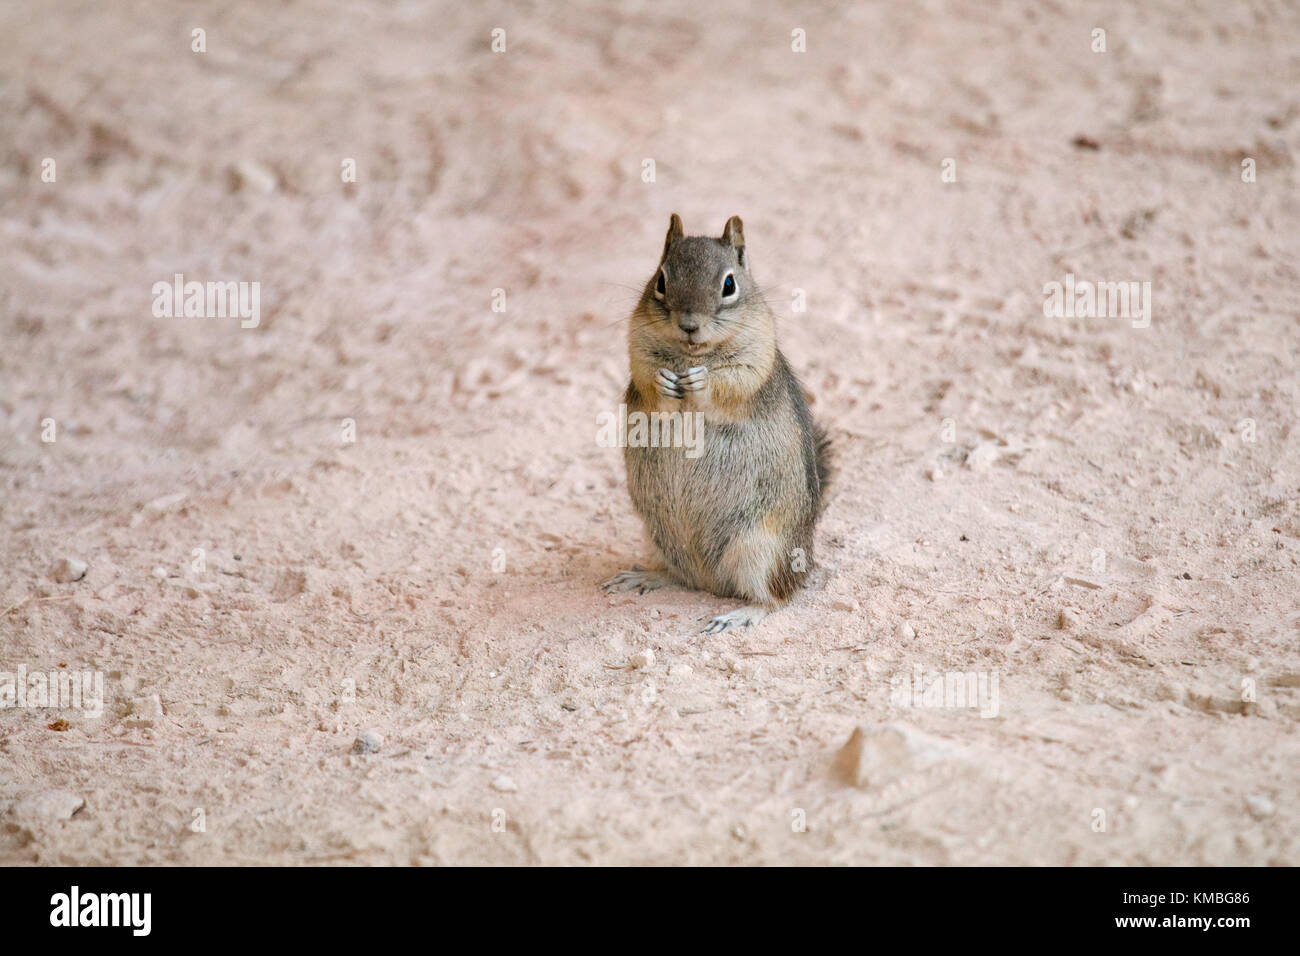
(741, 617)
(667, 383)
(695, 380)
(637, 579)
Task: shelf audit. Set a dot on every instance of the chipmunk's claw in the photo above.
(741, 617)
(694, 379)
(667, 382)
(637, 579)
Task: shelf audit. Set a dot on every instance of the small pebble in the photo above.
(150, 706)
(982, 456)
(1260, 806)
(368, 742)
(842, 605)
(504, 784)
(247, 174)
(67, 570)
(643, 659)
(1068, 619)
(904, 631)
(1259, 708)
(1172, 691)
(160, 572)
(681, 670)
(144, 711)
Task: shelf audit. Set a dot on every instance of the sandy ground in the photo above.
(1100, 517)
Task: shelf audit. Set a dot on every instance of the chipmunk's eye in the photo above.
(728, 286)
(660, 286)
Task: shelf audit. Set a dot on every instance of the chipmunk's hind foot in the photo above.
(741, 617)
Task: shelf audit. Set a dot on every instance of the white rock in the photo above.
(48, 805)
(904, 631)
(982, 456)
(160, 572)
(504, 784)
(247, 174)
(681, 670)
(166, 502)
(643, 659)
(67, 570)
(934, 474)
(1260, 806)
(368, 742)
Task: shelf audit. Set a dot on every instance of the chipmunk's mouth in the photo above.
(694, 346)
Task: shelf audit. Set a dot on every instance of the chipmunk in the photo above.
(737, 518)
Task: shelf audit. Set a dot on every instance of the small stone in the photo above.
(982, 456)
(144, 711)
(681, 670)
(289, 584)
(48, 805)
(1264, 707)
(843, 605)
(643, 659)
(165, 503)
(504, 784)
(67, 570)
(1172, 691)
(1068, 619)
(150, 706)
(368, 742)
(934, 474)
(1260, 806)
(160, 572)
(1082, 582)
(877, 756)
(247, 174)
(904, 631)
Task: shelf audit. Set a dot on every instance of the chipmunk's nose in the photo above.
(688, 322)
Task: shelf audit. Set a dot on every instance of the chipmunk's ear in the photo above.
(675, 232)
(733, 234)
